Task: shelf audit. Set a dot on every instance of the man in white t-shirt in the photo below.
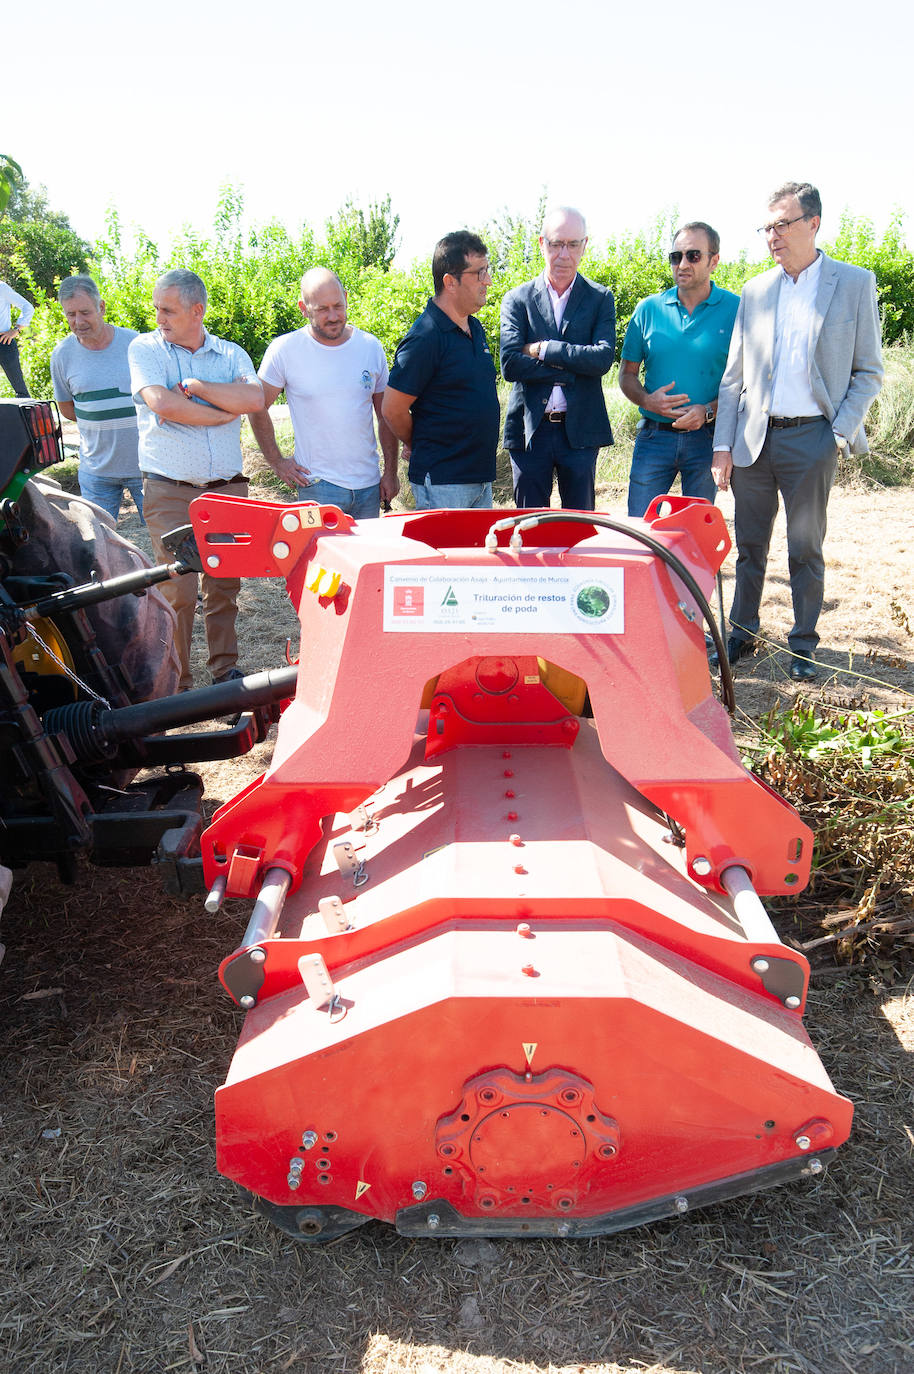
(334, 377)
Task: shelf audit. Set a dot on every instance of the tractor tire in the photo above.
(71, 535)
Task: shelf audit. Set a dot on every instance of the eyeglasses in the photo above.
(690, 254)
(477, 272)
(558, 244)
(779, 225)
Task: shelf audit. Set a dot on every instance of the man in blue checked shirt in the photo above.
(191, 390)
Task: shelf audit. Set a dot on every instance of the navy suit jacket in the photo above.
(575, 356)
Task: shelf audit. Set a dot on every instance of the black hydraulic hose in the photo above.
(728, 696)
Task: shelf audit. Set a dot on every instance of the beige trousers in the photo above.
(165, 508)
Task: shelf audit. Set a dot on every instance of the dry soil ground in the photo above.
(123, 1250)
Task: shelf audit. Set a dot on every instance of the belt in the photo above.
(791, 421)
(662, 424)
(555, 417)
(197, 486)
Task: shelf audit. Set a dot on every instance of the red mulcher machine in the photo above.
(507, 971)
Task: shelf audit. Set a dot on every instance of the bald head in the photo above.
(316, 278)
(564, 221)
(323, 303)
(563, 241)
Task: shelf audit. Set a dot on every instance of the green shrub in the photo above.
(891, 262)
(252, 277)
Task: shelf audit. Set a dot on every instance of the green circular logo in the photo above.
(593, 601)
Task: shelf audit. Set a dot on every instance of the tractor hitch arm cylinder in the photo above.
(747, 904)
(267, 908)
(91, 593)
(216, 895)
(181, 542)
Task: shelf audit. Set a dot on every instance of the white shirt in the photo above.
(557, 399)
(329, 388)
(10, 297)
(791, 393)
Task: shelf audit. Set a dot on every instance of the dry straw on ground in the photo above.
(125, 1251)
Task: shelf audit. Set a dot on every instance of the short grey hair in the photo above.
(562, 210)
(806, 194)
(188, 285)
(71, 286)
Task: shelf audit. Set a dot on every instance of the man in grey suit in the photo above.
(805, 364)
(558, 338)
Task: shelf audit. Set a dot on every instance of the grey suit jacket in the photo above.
(845, 359)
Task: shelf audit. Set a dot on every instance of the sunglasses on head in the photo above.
(691, 255)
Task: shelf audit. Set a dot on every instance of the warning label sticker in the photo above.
(424, 598)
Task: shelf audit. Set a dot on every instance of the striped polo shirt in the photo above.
(97, 382)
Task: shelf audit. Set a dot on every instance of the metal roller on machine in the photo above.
(507, 971)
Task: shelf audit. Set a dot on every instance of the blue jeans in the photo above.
(362, 503)
(661, 453)
(548, 453)
(452, 495)
(108, 492)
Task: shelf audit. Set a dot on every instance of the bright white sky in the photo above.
(629, 112)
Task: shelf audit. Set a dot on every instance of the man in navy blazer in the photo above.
(805, 364)
(558, 338)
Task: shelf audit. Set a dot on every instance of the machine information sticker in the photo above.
(424, 598)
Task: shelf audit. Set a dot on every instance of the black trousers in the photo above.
(9, 361)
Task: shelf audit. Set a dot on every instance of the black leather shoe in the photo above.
(739, 648)
(803, 669)
(736, 649)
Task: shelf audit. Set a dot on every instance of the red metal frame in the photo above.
(660, 725)
(536, 1003)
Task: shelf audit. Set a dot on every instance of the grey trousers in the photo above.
(799, 464)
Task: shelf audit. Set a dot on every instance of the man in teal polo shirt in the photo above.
(682, 337)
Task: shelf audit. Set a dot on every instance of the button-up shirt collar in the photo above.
(791, 393)
(559, 302)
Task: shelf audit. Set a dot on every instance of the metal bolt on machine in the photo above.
(506, 970)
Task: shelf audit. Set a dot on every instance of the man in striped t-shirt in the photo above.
(91, 378)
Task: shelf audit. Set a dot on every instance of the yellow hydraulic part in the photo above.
(35, 659)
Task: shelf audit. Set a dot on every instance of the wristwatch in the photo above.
(709, 416)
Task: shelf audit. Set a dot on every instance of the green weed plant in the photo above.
(850, 774)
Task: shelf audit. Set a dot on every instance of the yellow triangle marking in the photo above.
(530, 1047)
(360, 1188)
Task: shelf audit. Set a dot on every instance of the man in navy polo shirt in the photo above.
(441, 399)
(682, 337)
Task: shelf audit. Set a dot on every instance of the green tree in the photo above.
(355, 240)
(890, 260)
(10, 177)
(39, 239)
